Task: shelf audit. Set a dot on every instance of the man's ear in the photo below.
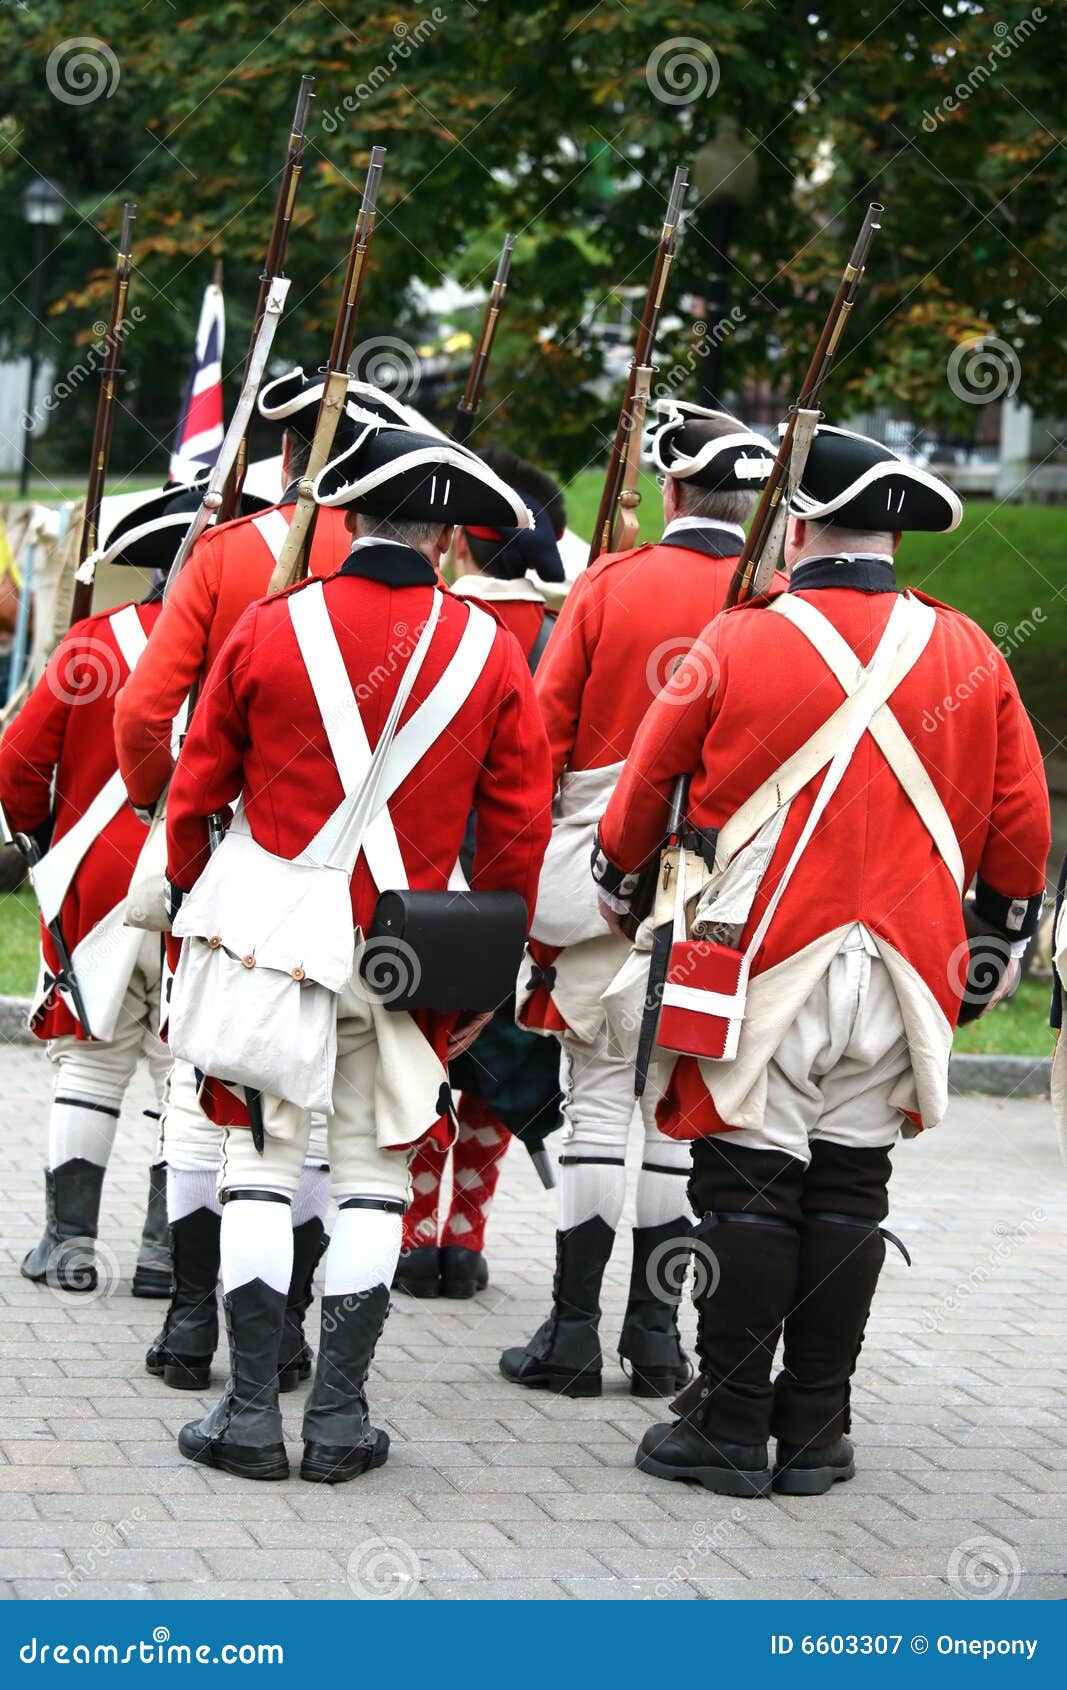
(671, 499)
(352, 520)
(444, 539)
(897, 537)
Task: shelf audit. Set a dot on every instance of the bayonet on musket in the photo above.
(105, 416)
(292, 560)
(616, 523)
(467, 409)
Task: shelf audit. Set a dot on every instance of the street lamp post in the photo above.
(42, 205)
(726, 175)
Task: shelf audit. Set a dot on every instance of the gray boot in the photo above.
(154, 1273)
(64, 1256)
(243, 1432)
(339, 1441)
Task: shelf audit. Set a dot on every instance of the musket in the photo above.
(105, 416)
(66, 979)
(616, 523)
(760, 556)
(467, 409)
(292, 560)
(761, 553)
(273, 265)
(227, 475)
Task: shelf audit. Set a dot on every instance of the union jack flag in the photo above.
(199, 432)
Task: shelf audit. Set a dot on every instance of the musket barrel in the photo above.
(467, 408)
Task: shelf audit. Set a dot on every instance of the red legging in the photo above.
(476, 1158)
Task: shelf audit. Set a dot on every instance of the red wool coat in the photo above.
(871, 859)
(64, 734)
(625, 624)
(228, 569)
(257, 730)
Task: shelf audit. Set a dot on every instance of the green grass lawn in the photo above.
(1006, 566)
(1019, 1028)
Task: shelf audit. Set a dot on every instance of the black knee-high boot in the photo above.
(744, 1274)
(243, 1432)
(564, 1353)
(182, 1353)
(64, 1257)
(154, 1274)
(294, 1361)
(649, 1339)
(339, 1441)
(842, 1249)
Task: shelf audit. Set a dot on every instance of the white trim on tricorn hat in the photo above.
(410, 476)
(738, 460)
(856, 482)
(293, 393)
(139, 540)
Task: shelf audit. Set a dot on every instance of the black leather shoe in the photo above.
(64, 1258)
(418, 1272)
(681, 1451)
(463, 1272)
(333, 1464)
(812, 1472)
(153, 1282)
(247, 1461)
(564, 1353)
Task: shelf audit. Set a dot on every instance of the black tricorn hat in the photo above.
(710, 449)
(409, 476)
(149, 536)
(293, 399)
(855, 482)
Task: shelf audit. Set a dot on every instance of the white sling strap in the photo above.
(874, 688)
(52, 876)
(805, 763)
(397, 752)
(886, 731)
(273, 529)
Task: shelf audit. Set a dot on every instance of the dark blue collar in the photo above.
(868, 574)
(711, 541)
(390, 562)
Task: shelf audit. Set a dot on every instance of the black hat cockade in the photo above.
(408, 476)
(709, 449)
(858, 483)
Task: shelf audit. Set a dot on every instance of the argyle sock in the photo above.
(476, 1158)
(420, 1222)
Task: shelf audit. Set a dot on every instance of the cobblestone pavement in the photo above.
(960, 1411)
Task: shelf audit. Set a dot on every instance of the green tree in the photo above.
(563, 122)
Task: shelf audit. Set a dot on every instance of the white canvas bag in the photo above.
(269, 942)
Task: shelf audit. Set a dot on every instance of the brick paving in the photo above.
(960, 1421)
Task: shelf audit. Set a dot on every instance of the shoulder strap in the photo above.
(537, 650)
(129, 635)
(273, 529)
(886, 731)
(869, 696)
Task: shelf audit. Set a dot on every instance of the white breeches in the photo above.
(600, 1108)
(358, 1167)
(92, 1077)
(838, 1065)
(193, 1144)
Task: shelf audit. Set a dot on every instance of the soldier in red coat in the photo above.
(508, 1081)
(861, 760)
(626, 623)
(60, 785)
(227, 570)
(438, 716)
